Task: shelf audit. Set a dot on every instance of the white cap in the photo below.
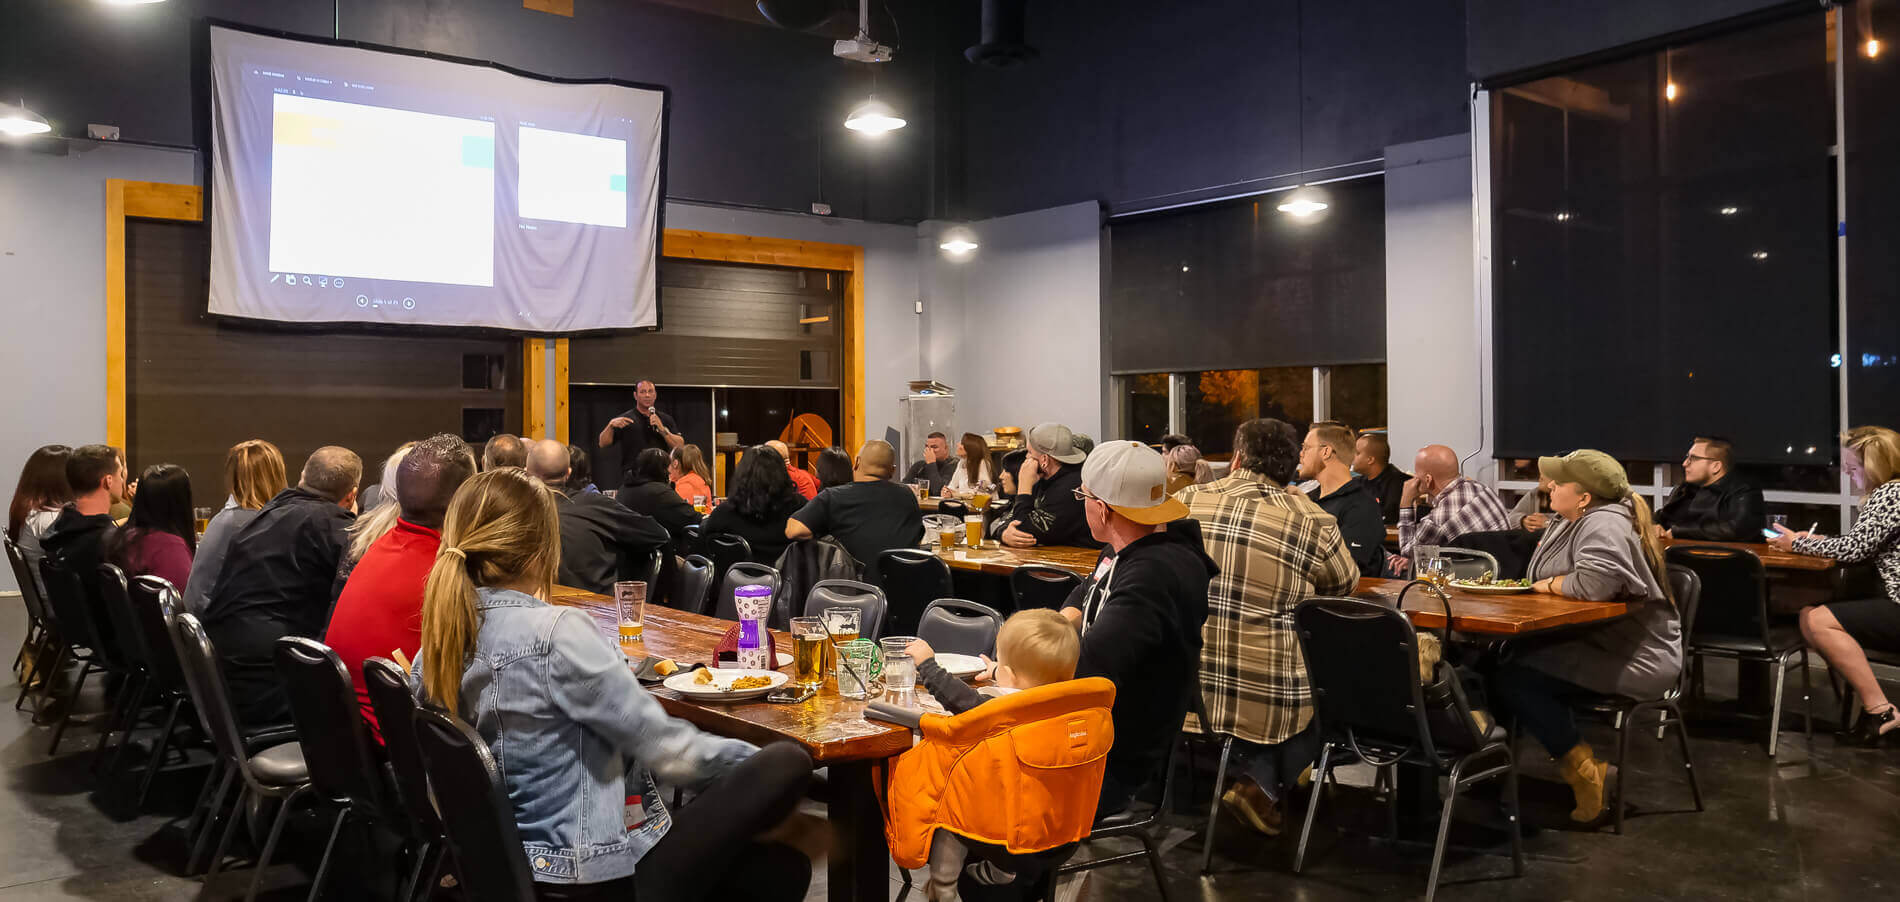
(1132, 479)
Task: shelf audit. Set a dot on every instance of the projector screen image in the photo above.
(351, 185)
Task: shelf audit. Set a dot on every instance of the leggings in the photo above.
(710, 852)
(1541, 703)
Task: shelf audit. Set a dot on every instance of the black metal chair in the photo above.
(1362, 661)
(1041, 586)
(343, 772)
(952, 508)
(1464, 563)
(693, 539)
(128, 636)
(79, 637)
(911, 579)
(276, 772)
(1624, 711)
(960, 627)
(1732, 622)
(849, 593)
(395, 707)
(692, 589)
(644, 568)
(476, 815)
(1136, 823)
(727, 549)
(167, 676)
(744, 573)
(41, 645)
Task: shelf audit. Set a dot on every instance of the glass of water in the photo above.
(900, 672)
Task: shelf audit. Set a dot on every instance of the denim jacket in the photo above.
(576, 738)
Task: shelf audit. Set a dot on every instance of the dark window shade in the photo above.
(1665, 268)
(1873, 216)
(1242, 285)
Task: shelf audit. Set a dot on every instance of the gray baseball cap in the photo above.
(1055, 440)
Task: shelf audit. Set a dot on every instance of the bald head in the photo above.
(504, 451)
(332, 472)
(428, 476)
(547, 461)
(1438, 462)
(876, 460)
(784, 451)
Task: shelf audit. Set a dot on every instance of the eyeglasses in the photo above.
(1690, 457)
(1084, 495)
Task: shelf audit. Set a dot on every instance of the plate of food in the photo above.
(729, 684)
(1490, 585)
(962, 667)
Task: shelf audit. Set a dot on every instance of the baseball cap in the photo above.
(1132, 479)
(1055, 440)
(1597, 472)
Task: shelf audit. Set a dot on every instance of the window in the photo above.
(1218, 401)
(1358, 395)
(1145, 409)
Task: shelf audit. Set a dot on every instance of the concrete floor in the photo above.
(1818, 823)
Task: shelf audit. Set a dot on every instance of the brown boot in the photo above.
(1586, 777)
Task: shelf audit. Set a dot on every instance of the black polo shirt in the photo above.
(631, 440)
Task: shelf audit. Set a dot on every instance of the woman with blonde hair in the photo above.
(1842, 630)
(1601, 548)
(688, 473)
(253, 474)
(581, 746)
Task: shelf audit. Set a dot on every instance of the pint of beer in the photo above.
(973, 525)
(810, 652)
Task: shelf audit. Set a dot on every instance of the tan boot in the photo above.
(1586, 777)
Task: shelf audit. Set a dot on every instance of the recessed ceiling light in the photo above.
(1730, 211)
(1760, 255)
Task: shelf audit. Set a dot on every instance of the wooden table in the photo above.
(1001, 560)
(1771, 557)
(1492, 615)
(830, 727)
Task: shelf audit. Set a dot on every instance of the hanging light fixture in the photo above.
(958, 242)
(17, 120)
(873, 117)
(1304, 201)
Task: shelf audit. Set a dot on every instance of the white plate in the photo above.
(962, 667)
(784, 660)
(683, 684)
(1490, 590)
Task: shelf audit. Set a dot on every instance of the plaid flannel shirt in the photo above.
(1275, 549)
(1464, 506)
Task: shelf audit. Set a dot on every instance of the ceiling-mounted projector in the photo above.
(861, 49)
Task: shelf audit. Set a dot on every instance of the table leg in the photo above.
(859, 869)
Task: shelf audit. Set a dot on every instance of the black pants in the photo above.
(709, 851)
(1541, 703)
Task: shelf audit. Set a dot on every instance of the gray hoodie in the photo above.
(1601, 558)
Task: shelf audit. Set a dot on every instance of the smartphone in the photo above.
(790, 695)
(1769, 534)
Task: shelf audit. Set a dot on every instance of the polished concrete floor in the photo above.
(1816, 823)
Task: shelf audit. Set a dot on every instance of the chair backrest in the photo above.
(1362, 664)
(693, 539)
(170, 606)
(329, 722)
(66, 599)
(744, 573)
(395, 706)
(209, 694)
(849, 593)
(727, 549)
(693, 584)
(1686, 586)
(1468, 563)
(959, 626)
(161, 654)
(1734, 577)
(29, 582)
(949, 508)
(1041, 586)
(911, 579)
(126, 640)
(477, 818)
(645, 568)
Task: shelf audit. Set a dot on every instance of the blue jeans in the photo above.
(1541, 703)
(1275, 766)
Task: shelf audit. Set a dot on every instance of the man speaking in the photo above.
(639, 429)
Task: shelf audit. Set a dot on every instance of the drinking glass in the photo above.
(810, 651)
(699, 504)
(843, 625)
(973, 527)
(900, 672)
(856, 674)
(203, 517)
(1777, 520)
(947, 536)
(921, 487)
(630, 597)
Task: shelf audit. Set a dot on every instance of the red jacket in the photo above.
(381, 605)
(805, 483)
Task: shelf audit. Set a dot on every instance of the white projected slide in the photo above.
(378, 193)
(573, 178)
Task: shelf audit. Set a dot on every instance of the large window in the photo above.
(1207, 405)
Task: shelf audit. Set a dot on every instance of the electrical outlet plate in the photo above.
(102, 132)
(821, 209)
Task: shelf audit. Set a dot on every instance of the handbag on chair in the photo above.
(1454, 696)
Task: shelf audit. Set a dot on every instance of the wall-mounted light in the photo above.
(957, 242)
(1669, 91)
(1872, 48)
(16, 120)
(873, 117)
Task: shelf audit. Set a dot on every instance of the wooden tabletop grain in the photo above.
(1002, 560)
(1771, 557)
(1492, 615)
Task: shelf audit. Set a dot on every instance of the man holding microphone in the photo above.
(640, 428)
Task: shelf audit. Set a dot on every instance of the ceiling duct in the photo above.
(1002, 43)
(797, 15)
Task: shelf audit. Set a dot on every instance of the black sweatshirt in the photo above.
(1052, 513)
(955, 695)
(1727, 511)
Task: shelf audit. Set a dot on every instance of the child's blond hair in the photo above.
(1040, 646)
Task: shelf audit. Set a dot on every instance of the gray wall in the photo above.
(1510, 35)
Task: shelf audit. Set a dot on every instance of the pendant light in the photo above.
(17, 120)
(873, 117)
(957, 242)
(1304, 201)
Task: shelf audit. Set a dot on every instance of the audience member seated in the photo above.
(379, 612)
(96, 476)
(1842, 631)
(833, 467)
(580, 469)
(1276, 548)
(868, 515)
(159, 536)
(504, 450)
(373, 497)
(1532, 512)
(691, 478)
(41, 492)
(759, 501)
(1602, 548)
(972, 472)
(1324, 457)
(1141, 614)
(1712, 504)
(1035, 649)
(1373, 460)
(1457, 506)
(600, 537)
(806, 483)
(253, 475)
(937, 467)
(649, 492)
(277, 580)
(1186, 467)
(375, 520)
(582, 747)
(1047, 510)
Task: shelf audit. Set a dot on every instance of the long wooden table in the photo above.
(1771, 557)
(830, 727)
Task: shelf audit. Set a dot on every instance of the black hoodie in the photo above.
(1142, 619)
(1361, 524)
(76, 542)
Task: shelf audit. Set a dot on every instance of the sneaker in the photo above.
(1252, 806)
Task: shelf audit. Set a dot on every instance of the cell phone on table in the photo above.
(1769, 534)
(790, 695)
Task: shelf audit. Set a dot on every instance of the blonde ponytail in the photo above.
(502, 529)
(1652, 546)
